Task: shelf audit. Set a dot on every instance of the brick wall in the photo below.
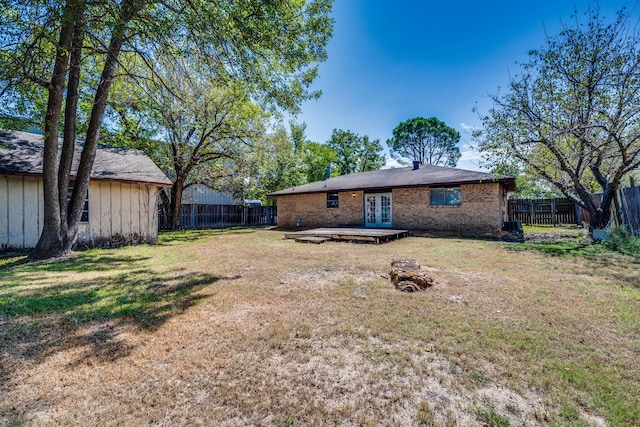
(482, 209)
(312, 210)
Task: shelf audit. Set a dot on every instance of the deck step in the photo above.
(312, 239)
(346, 234)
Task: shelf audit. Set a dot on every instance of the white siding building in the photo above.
(121, 204)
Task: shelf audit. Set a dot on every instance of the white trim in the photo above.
(379, 217)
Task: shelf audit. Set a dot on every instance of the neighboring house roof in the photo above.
(21, 154)
(200, 194)
(425, 176)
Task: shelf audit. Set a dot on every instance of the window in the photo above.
(332, 200)
(449, 196)
(85, 208)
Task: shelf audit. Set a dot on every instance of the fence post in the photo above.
(531, 212)
(578, 210)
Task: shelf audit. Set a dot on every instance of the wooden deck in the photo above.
(372, 235)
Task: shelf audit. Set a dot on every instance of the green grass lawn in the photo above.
(241, 327)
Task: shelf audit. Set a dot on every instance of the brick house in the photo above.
(422, 198)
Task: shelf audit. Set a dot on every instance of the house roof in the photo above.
(384, 179)
(21, 154)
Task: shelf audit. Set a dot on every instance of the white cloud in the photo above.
(392, 163)
(471, 160)
(470, 155)
(467, 128)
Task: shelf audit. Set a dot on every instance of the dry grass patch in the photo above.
(244, 328)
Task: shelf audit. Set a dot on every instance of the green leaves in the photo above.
(428, 141)
(316, 158)
(571, 116)
(270, 48)
(355, 153)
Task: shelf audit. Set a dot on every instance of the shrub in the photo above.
(622, 240)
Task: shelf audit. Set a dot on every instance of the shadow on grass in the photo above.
(564, 247)
(166, 237)
(13, 261)
(78, 262)
(38, 321)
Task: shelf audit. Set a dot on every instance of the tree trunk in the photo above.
(602, 214)
(176, 203)
(599, 213)
(69, 138)
(166, 207)
(50, 242)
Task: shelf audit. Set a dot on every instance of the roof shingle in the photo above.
(21, 153)
(425, 176)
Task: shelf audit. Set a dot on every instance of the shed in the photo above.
(122, 201)
(420, 197)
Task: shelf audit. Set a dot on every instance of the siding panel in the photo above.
(105, 209)
(135, 208)
(93, 230)
(31, 230)
(144, 206)
(40, 205)
(113, 208)
(125, 206)
(153, 214)
(116, 210)
(16, 213)
(4, 211)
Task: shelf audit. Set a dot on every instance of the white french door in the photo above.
(378, 210)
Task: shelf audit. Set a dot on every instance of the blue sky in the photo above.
(390, 61)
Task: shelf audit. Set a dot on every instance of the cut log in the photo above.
(406, 275)
(405, 264)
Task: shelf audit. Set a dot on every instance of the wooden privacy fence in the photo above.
(629, 210)
(543, 211)
(564, 211)
(213, 216)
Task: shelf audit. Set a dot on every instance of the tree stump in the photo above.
(407, 277)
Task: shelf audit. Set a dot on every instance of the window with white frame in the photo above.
(332, 200)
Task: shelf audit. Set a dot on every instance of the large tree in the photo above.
(355, 153)
(272, 163)
(205, 132)
(67, 51)
(572, 116)
(206, 128)
(315, 159)
(428, 141)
